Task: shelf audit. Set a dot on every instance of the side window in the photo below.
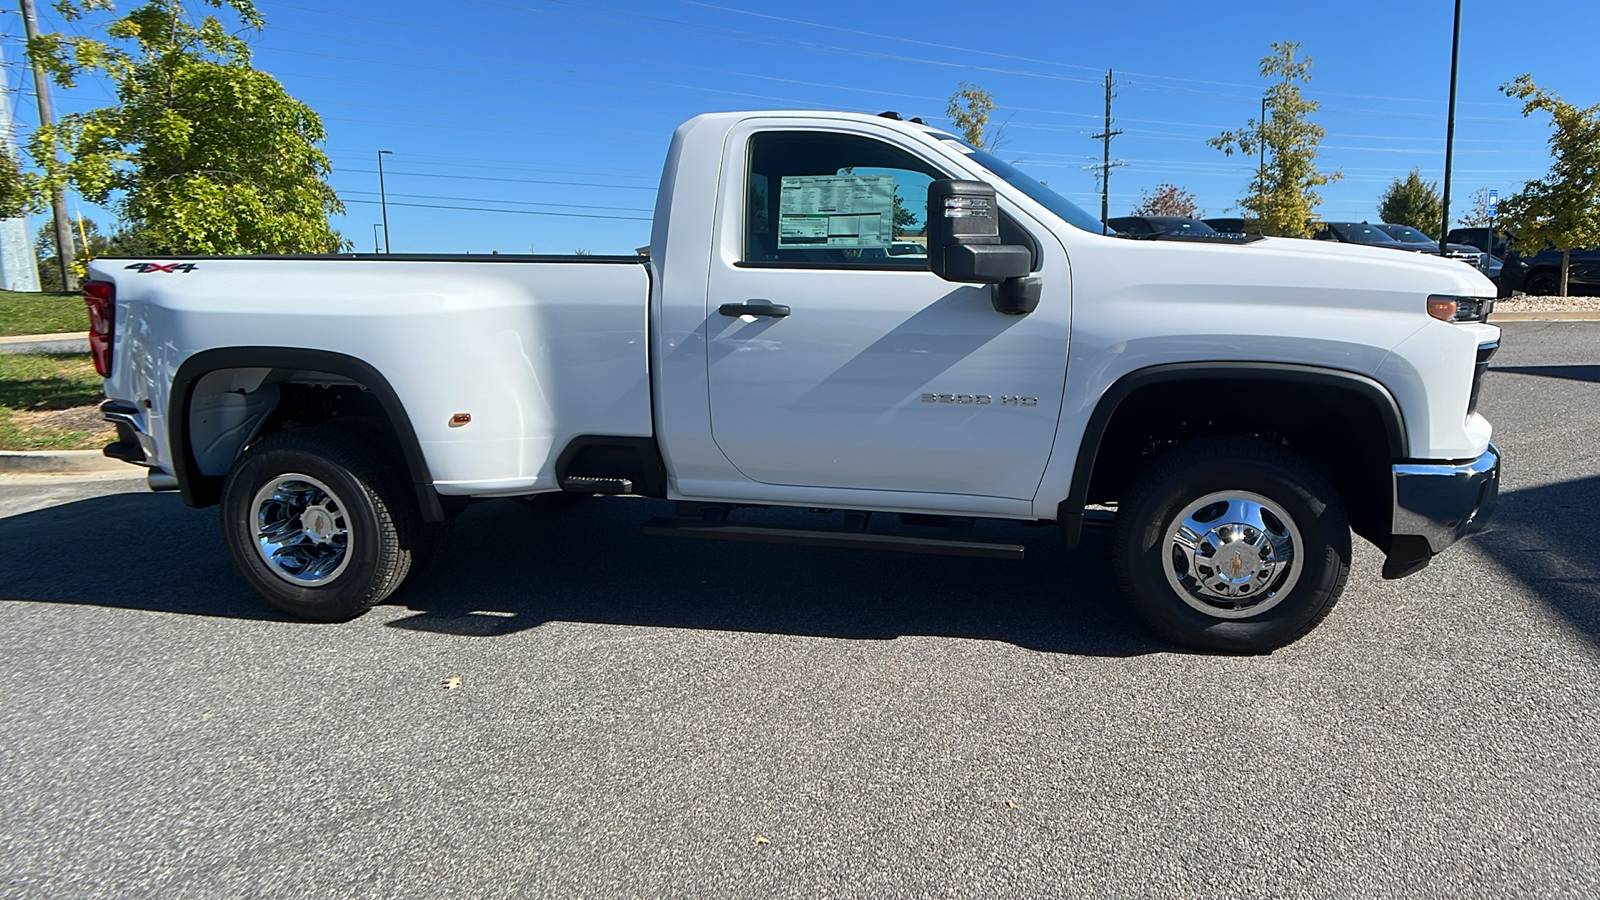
(841, 200)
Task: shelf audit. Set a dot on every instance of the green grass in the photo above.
(50, 313)
(39, 384)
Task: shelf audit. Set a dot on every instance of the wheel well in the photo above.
(224, 400)
(1345, 425)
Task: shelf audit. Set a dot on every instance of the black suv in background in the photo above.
(1357, 233)
(1415, 239)
(1227, 225)
(1158, 226)
(1538, 274)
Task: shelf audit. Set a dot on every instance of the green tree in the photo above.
(202, 153)
(1562, 209)
(1282, 196)
(906, 221)
(15, 196)
(969, 111)
(1412, 201)
(1167, 200)
(87, 243)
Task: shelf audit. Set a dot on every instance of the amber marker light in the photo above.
(460, 419)
(1442, 308)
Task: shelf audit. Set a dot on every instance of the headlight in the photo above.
(1460, 309)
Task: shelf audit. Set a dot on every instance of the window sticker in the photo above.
(833, 211)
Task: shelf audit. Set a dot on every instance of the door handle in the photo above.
(754, 307)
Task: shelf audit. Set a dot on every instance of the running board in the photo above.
(817, 537)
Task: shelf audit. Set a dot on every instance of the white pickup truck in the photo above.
(806, 331)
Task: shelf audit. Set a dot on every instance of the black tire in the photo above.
(1165, 584)
(359, 481)
(1542, 283)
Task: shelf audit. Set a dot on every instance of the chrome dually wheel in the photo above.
(1232, 554)
(319, 521)
(302, 530)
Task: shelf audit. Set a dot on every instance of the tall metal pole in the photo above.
(383, 200)
(1450, 134)
(1261, 144)
(65, 251)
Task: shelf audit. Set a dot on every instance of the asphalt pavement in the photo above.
(570, 709)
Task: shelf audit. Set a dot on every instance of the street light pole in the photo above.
(383, 200)
(1261, 144)
(1450, 134)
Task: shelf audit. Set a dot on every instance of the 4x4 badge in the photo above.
(146, 268)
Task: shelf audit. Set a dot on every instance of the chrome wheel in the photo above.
(302, 530)
(1232, 554)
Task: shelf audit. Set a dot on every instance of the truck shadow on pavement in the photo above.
(511, 569)
(1547, 537)
(1570, 373)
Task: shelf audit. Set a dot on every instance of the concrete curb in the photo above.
(1574, 315)
(61, 462)
(70, 342)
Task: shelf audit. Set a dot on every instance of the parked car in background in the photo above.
(1356, 233)
(1415, 239)
(1158, 226)
(1490, 240)
(1538, 273)
(1225, 225)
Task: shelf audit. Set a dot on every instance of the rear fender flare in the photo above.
(200, 490)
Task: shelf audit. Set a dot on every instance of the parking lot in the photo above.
(572, 709)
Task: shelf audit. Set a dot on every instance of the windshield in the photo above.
(1407, 235)
(1025, 183)
(1182, 226)
(1364, 234)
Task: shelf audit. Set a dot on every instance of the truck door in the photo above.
(835, 358)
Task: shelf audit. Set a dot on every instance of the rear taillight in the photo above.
(101, 298)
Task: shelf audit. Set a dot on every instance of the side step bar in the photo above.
(818, 537)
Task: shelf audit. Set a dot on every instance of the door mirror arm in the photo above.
(1016, 296)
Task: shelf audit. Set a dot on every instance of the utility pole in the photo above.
(1450, 135)
(1105, 165)
(58, 196)
(383, 199)
(1261, 144)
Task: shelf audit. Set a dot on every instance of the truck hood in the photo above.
(1318, 265)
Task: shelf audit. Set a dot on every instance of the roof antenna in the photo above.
(890, 114)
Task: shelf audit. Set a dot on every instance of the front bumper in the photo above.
(1437, 504)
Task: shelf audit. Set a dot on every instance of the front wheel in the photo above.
(1231, 544)
(317, 525)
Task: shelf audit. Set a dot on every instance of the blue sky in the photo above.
(557, 113)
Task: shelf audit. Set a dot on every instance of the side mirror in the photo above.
(964, 235)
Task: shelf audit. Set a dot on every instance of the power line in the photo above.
(512, 202)
(519, 212)
(593, 184)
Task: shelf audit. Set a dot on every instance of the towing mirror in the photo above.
(964, 245)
